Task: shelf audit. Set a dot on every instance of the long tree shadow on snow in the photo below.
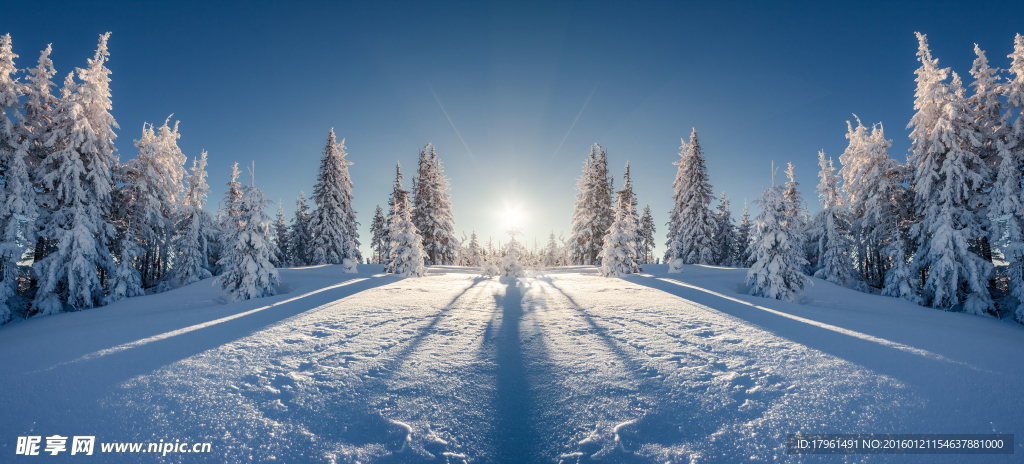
(662, 422)
(359, 419)
(516, 439)
(106, 372)
(924, 371)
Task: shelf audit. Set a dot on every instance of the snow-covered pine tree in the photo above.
(396, 192)
(1006, 192)
(77, 172)
(195, 229)
(406, 248)
(947, 173)
(743, 239)
(828, 232)
(433, 209)
(473, 255)
(872, 184)
(900, 280)
(552, 252)
(626, 195)
(378, 230)
(333, 224)
(283, 257)
(125, 282)
(592, 213)
(795, 209)
(10, 93)
(154, 181)
(986, 123)
(692, 223)
(37, 127)
(510, 265)
(248, 272)
(776, 271)
(232, 202)
(16, 196)
(725, 234)
(619, 256)
(299, 237)
(645, 236)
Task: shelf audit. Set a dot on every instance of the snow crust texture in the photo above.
(454, 367)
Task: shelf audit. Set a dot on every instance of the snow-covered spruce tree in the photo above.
(232, 202)
(433, 209)
(10, 93)
(378, 231)
(947, 174)
(154, 181)
(77, 173)
(283, 257)
(333, 224)
(725, 234)
(125, 282)
(986, 122)
(396, 192)
(1006, 195)
(248, 272)
(628, 198)
(17, 198)
(692, 223)
(776, 270)
(828, 231)
(619, 256)
(592, 213)
(510, 264)
(645, 236)
(900, 279)
(795, 210)
(37, 129)
(406, 248)
(195, 229)
(872, 184)
(473, 256)
(744, 237)
(299, 237)
(552, 252)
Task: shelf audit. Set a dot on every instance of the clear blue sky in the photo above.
(265, 81)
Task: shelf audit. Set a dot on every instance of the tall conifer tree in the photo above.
(333, 225)
(829, 233)
(646, 236)
(378, 229)
(299, 237)
(433, 209)
(777, 266)
(948, 174)
(1006, 192)
(77, 173)
(248, 272)
(195, 229)
(406, 249)
(692, 223)
(744, 237)
(592, 214)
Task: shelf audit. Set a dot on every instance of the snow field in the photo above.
(564, 366)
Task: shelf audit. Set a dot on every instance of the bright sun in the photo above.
(513, 217)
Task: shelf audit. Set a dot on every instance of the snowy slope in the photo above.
(562, 366)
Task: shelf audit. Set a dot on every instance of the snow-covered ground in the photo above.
(565, 366)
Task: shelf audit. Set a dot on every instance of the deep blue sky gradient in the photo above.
(265, 81)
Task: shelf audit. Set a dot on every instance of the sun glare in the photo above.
(513, 218)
